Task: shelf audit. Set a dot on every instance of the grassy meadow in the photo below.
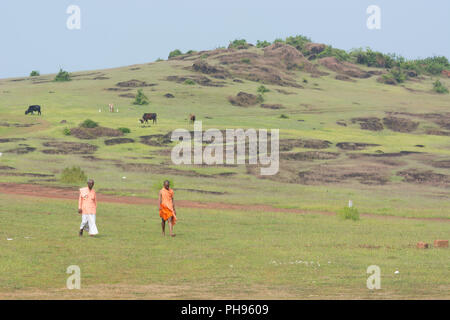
(216, 254)
(226, 253)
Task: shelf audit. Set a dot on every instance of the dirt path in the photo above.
(32, 190)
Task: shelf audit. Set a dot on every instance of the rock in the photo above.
(315, 48)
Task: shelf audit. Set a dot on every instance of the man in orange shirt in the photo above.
(167, 210)
(87, 207)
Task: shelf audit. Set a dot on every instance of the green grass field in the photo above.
(227, 253)
(216, 254)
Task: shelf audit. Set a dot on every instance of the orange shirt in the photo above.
(167, 198)
(166, 210)
(87, 201)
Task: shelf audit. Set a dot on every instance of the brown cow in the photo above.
(148, 116)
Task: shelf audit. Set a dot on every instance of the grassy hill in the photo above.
(386, 147)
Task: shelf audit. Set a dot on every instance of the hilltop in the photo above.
(357, 125)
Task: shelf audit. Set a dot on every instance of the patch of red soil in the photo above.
(40, 191)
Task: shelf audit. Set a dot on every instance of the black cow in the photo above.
(148, 116)
(32, 109)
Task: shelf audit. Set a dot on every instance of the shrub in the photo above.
(62, 76)
(297, 41)
(339, 54)
(262, 44)
(398, 75)
(283, 116)
(439, 87)
(348, 213)
(245, 60)
(191, 51)
(88, 123)
(262, 89)
(66, 132)
(260, 98)
(124, 130)
(189, 81)
(158, 60)
(175, 53)
(141, 98)
(73, 175)
(305, 80)
(159, 184)
(34, 73)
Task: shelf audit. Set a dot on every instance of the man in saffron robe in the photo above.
(87, 207)
(167, 210)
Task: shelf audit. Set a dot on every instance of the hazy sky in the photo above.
(114, 33)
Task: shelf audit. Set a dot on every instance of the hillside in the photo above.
(347, 130)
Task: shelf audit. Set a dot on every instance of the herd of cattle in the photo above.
(145, 118)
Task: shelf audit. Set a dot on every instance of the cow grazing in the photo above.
(32, 109)
(192, 118)
(148, 116)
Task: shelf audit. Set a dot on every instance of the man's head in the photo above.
(90, 184)
(167, 184)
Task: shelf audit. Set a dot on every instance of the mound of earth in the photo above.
(371, 123)
(371, 175)
(271, 68)
(424, 177)
(68, 148)
(400, 124)
(343, 77)
(201, 80)
(127, 95)
(441, 164)
(309, 155)
(215, 72)
(284, 92)
(7, 168)
(11, 140)
(272, 106)
(157, 140)
(314, 48)
(243, 99)
(111, 142)
(289, 144)
(381, 154)
(343, 67)
(134, 84)
(387, 80)
(355, 145)
(94, 133)
(436, 132)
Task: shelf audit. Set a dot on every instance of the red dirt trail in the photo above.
(40, 191)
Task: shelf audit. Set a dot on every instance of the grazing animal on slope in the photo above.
(32, 109)
(192, 118)
(148, 116)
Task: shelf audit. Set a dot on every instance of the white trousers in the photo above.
(88, 223)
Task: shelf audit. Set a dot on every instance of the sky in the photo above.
(34, 34)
